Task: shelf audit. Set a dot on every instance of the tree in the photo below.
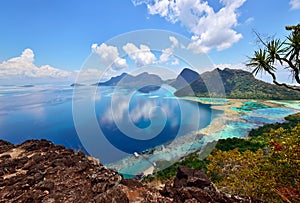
(275, 52)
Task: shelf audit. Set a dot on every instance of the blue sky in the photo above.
(57, 35)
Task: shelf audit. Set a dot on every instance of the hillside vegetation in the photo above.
(235, 84)
(265, 166)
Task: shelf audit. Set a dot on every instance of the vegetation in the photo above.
(271, 173)
(275, 52)
(237, 84)
(191, 161)
(241, 145)
(265, 166)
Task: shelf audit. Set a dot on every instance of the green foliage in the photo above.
(256, 138)
(265, 166)
(240, 173)
(237, 84)
(192, 161)
(271, 174)
(293, 120)
(240, 144)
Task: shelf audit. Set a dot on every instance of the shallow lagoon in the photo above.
(251, 114)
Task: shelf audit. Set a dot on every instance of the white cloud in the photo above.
(143, 110)
(109, 56)
(168, 52)
(174, 41)
(141, 56)
(222, 66)
(210, 29)
(249, 21)
(295, 4)
(23, 67)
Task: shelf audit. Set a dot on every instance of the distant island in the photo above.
(144, 82)
(76, 84)
(27, 86)
(186, 77)
(235, 84)
(128, 80)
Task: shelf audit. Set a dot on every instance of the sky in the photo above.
(53, 39)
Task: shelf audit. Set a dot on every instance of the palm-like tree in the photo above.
(275, 50)
(260, 62)
(284, 52)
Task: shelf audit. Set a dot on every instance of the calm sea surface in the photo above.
(129, 121)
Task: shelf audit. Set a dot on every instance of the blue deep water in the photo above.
(134, 124)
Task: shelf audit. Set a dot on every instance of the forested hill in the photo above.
(238, 84)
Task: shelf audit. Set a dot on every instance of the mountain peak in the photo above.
(185, 77)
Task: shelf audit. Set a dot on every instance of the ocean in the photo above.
(114, 124)
(128, 121)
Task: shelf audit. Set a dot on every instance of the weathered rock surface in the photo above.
(39, 171)
(194, 186)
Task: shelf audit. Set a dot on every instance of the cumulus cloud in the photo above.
(168, 52)
(174, 41)
(23, 67)
(141, 56)
(109, 56)
(295, 4)
(210, 29)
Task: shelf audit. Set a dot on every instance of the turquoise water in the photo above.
(255, 115)
(249, 106)
(288, 104)
(233, 129)
(210, 100)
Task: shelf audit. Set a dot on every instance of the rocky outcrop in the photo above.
(138, 192)
(194, 186)
(39, 171)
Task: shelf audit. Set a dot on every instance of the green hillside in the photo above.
(237, 84)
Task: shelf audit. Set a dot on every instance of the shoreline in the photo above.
(229, 115)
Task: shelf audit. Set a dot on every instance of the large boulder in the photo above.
(189, 177)
(194, 186)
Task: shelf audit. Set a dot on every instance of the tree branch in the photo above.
(295, 69)
(260, 39)
(297, 88)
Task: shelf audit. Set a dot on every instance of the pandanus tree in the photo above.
(275, 52)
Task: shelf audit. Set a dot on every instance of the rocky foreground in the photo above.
(39, 171)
